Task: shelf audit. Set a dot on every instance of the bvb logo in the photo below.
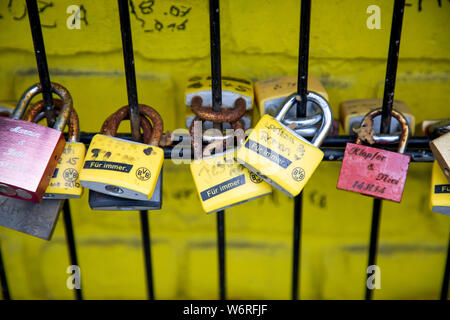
(70, 175)
(298, 174)
(254, 178)
(143, 174)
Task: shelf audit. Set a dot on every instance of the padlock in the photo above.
(270, 94)
(434, 128)
(352, 112)
(30, 152)
(104, 202)
(440, 191)
(220, 181)
(375, 172)
(280, 156)
(121, 168)
(441, 151)
(65, 182)
(246, 120)
(36, 219)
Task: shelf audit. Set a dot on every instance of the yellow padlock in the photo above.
(65, 182)
(440, 191)
(232, 89)
(352, 112)
(123, 168)
(270, 94)
(279, 155)
(222, 182)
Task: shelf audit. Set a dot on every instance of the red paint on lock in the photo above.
(373, 172)
(29, 154)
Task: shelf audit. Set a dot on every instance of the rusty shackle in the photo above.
(367, 133)
(152, 133)
(73, 122)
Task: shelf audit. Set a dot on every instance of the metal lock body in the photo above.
(123, 168)
(65, 182)
(279, 155)
(375, 172)
(440, 191)
(30, 152)
(270, 94)
(352, 112)
(221, 182)
(441, 151)
(232, 89)
(36, 219)
(104, 202)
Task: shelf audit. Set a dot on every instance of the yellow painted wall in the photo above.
(259, 41)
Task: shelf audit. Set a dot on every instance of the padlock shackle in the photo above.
(322, 103)
(308, 121)
(225, 115)
(32, 115)
(111, 124)
(32, 91)
(367, 124)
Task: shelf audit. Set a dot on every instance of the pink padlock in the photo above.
(30, 152)
(375, 172)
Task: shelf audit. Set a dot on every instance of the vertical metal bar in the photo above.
(130, 75)
(70, 238)
(391, 69)
(221, 249)
(298, 206)
(41, 59)
(3, 281)
(303, 56)
(216, 67)
(302, 90)
(373, 246)
(145, 231)
(216, 88)
(446, 279)
(388, 99)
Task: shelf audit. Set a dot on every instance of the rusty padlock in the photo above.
(106, 202)
(375, 172)
(220, 181)
(30, 152)
(65, 182)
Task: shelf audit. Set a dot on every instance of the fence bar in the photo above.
(70, 239)
(388, 99)
(41, 59)
(44, 76)
(216, 88)
(3, 281)
(145, 231)
(302, 90)
(130, 75)
(446, 279)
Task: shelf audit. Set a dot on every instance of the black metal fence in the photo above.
(333, 147)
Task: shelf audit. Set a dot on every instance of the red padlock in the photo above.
(375, 172)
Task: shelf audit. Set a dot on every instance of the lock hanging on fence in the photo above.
(65, 182)
(105, 202)
(440, 191)
(352, 112)
(375, 172)
(121, 168)
(441, 151)
(30, 152)
(279, 155)
(220, 181)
